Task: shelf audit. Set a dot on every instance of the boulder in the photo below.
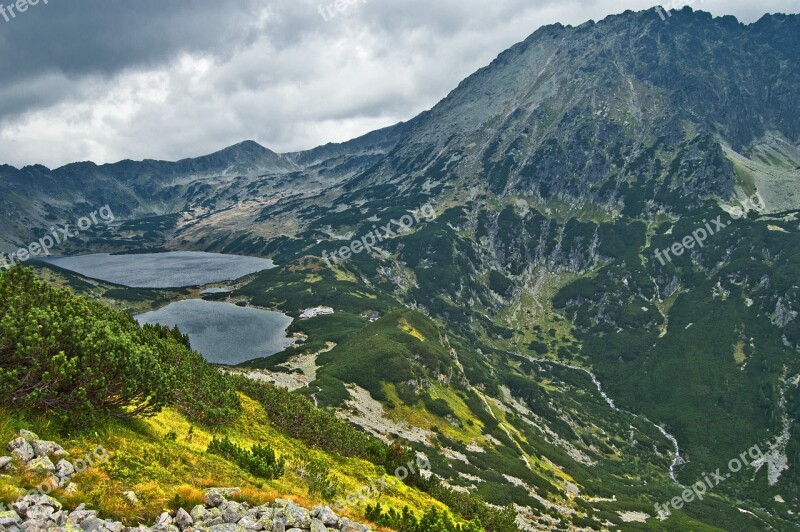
(43, 500)
(34, 525)
(164, 520)
(183, 519)
(5, 463)
(251, 523)
(79, 515)
(93, 524)
(326, 515)
(200, 514)
(21, 449)
(42, 465)
(131, 498)
(232, 512)
(265, 512)
(355, 527)
(64, 469)
(59, 518)
(228, 527)
(297, 517)
(38, 513)
(9, 518)
(28, 436)
(266, 522)
(318, 526)
(213, 498)
(48, 448)
(346, 525)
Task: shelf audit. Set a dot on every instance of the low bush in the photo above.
(319, 478)
(431, 521)
(79, 360)
(260, 461)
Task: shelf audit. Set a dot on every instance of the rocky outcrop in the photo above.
(217, 514)
(783, 314)
(39, 456)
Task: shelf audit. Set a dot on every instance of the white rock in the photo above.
(21, 450)
(183, 519)
(64, 469)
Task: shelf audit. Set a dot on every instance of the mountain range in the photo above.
(531, 342)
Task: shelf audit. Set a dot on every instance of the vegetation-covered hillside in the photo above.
(80, 372)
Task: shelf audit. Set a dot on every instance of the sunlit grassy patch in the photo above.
(407, 327)
(163, 460)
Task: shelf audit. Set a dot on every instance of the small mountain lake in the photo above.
(163, 270)
(224, 333)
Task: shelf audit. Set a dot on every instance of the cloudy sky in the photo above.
(105, 80)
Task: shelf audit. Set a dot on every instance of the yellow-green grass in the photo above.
(407, 327)
(166, 467)
(530, 309)
(419, 416)
(468, 433)
(344, 275)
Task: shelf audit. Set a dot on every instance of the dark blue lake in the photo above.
(224, 333)
(163, 270)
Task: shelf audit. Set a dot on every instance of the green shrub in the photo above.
(473, 507)
(78, 360)
(405, 521)
(319, 478)
(407, 393)
(260, 461)
(440, 407)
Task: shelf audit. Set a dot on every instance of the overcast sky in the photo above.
(106, 80)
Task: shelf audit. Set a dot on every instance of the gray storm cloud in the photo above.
(105, 80)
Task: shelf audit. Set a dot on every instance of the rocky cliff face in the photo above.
(590, 113)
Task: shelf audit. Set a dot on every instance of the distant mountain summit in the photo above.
(632, 114)
(589, 113)
(247, 158)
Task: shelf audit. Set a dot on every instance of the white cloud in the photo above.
(294, 82)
